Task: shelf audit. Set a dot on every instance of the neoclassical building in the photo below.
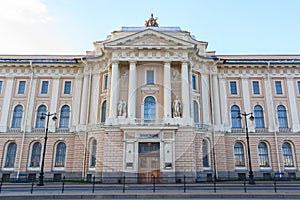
(150, 101)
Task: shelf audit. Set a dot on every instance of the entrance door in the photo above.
(149, 162)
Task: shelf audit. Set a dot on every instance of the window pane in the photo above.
(64, 117)
(41, 111)
(60, 155)
(298, 87)
(235, 111)
(150, 76)
(35, 155)
(255, 85)
(233, 88)
(278, 87)
(105, 81)
(93, 153)
(67, 89)
(194, 82)
(282, 117)
(259, 117)
(196, 112)
(205, 153)
(44, 87)
(149, 109)
(103, 112)
(21, 89)
(1, 83)
(10, 155)
(239, 156)
(17, 117)
(263, 155)
(287, 154)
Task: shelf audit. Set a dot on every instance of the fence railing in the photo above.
(148, 184)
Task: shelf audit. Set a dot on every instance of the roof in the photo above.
(40, 58)
(259, 59)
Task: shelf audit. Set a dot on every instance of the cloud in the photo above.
(24, 12)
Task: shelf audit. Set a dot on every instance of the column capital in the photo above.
(115, 62)
(132, 61)
(290, 77)
(167, 61)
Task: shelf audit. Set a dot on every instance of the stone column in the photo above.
(6, 103)
(31, 110)
(185, 91)
(54, 99)
(205, 98)
(114, 90)
(223, 102)
(293, 104)
(132, 91)
(247, 105)
(76, 105)
(167, 90)
(84, 98)
(94, 95)
(216, 102)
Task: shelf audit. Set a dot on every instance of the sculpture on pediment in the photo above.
(177, 107)
(151, 21)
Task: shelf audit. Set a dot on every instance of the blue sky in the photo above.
(71, 26)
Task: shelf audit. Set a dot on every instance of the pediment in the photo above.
(149, 39)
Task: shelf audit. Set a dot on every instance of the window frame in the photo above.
(194, 82)
(282, 116)
(153, 78)
(21, 88)
(16, 119)
(233, 89)
(5, 161)
(63, 118)
(237, 123)
(105, 81)
(1, 87)
(103, 111)
(45, 90)
(55, 167)
(93, 154)
(278, 87)
(66, 90)
(38, 122)
(290, 155)
(256, 87)
(30, 166)
(150, 107)
(238, 155)
(263, 155)
(258, 117)
(206, 158)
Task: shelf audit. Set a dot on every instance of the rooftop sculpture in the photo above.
(151, 21)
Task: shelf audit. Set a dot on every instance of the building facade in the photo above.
(150, 101)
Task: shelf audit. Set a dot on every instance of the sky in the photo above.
(71, 26)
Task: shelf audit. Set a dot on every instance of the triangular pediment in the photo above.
(149, 39)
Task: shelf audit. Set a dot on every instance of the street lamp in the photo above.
(44, 115)
(251, 177)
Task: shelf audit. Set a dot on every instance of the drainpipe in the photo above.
(86, 121)
(24, 121)
(274, 121)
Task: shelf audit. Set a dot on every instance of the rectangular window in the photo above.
(150, 77)
(255, 85)
(298, 87)
(1, 83)
(21, 89)
(233, 88)
(44, 89)
(278, 87)
(105, 82)
(67, 89)
(194, 82)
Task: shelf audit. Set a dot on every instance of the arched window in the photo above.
(259, 117)
(235, 111)
(205, 153)
(64, 117)
(38, 122)
(35, 155)
(103, 112)
(10, 155)
(287, 154)
(17, 117)
(239, 156)
(149, 109)
(282, 117)
(60, 156)
(196, 112)
(263, 155)
(93, 149)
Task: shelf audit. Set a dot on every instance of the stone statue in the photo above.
(151, 21)
(177, 107)
(122, 108)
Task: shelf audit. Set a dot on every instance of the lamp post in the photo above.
(251, 176)
(44, 115)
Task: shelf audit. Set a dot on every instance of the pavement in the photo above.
(235, 190)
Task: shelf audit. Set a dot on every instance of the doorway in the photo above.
(149, 162)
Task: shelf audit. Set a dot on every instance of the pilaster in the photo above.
(6, 103)
(293, 104)
(132, 91)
